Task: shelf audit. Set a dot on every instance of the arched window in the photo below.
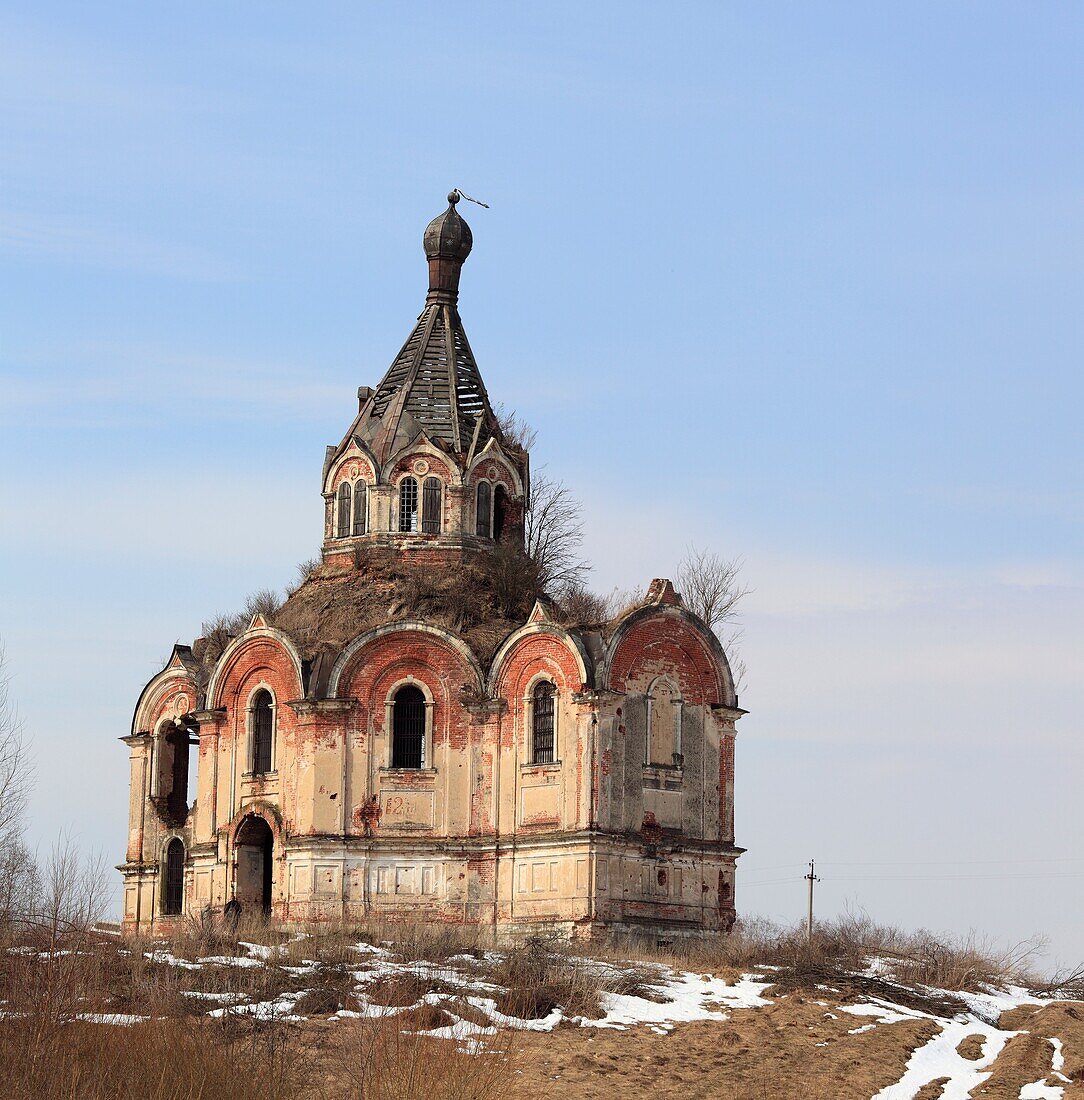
(408, 728)
(343, 528)
(173, 894)
(361, 507)
(500, 511)
(431, 506)
(484, 511)
(408, 504)
(542, 722)
(263, 728)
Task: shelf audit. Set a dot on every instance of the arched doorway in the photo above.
(255, 846)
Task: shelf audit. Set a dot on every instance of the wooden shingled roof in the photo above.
(433, 385)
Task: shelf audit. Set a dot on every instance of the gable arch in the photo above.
(405, 626)
(692, 627)
(170, 681)
(356, 451)
(232, 654)
(494, 452)
(421, 447)
(571, 642)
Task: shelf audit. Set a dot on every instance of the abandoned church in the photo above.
(419, 732)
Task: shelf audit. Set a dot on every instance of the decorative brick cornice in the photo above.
(482, 710)
(214, 717)
(305, 707)
(137, 740)
(721, 710)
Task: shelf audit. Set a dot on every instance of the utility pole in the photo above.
(811, 878)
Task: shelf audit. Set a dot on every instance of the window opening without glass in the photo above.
(484, 512)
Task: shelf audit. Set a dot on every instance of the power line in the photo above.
(946, 862)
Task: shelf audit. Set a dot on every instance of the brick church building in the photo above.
(418, 732)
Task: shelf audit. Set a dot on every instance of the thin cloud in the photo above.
(40, 239)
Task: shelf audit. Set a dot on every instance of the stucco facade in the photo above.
(350, 755)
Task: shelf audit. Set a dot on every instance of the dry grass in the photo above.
(377, 1060)
(845, 946)
(54, 1054)
(165, 1060)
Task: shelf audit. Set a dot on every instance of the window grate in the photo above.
(408, 504)
(408, 729)
(543, 723)
(262, 724)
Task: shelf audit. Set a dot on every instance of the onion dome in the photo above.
(447, 236)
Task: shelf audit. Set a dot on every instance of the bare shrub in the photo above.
(513, 578)
(74, 893)
(582, 607)
(515, 429)
(538, 978)
(376, 1060)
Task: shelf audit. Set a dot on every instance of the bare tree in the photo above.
(553, 534)
(711, 588)
(17, 870)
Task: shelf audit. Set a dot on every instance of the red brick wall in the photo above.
(667, 644)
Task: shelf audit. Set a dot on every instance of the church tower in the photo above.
(425, 456)
(419, 732)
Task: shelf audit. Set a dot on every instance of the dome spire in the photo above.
(447, 241)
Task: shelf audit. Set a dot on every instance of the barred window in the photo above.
(361, 509)
(173, 895)
(343, 529)
(408, 728)
(431, 506)
(408, 504)
(262, 732)
(542, 722)
(484, 510)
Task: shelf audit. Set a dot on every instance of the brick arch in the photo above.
(493, 454)
(654, 640)
(434, 639)
(338, 470)
(262, 809)
(441, 464)
(532, 648)
(156, 699)
(263, 643)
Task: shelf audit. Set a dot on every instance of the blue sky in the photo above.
(799, 282)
